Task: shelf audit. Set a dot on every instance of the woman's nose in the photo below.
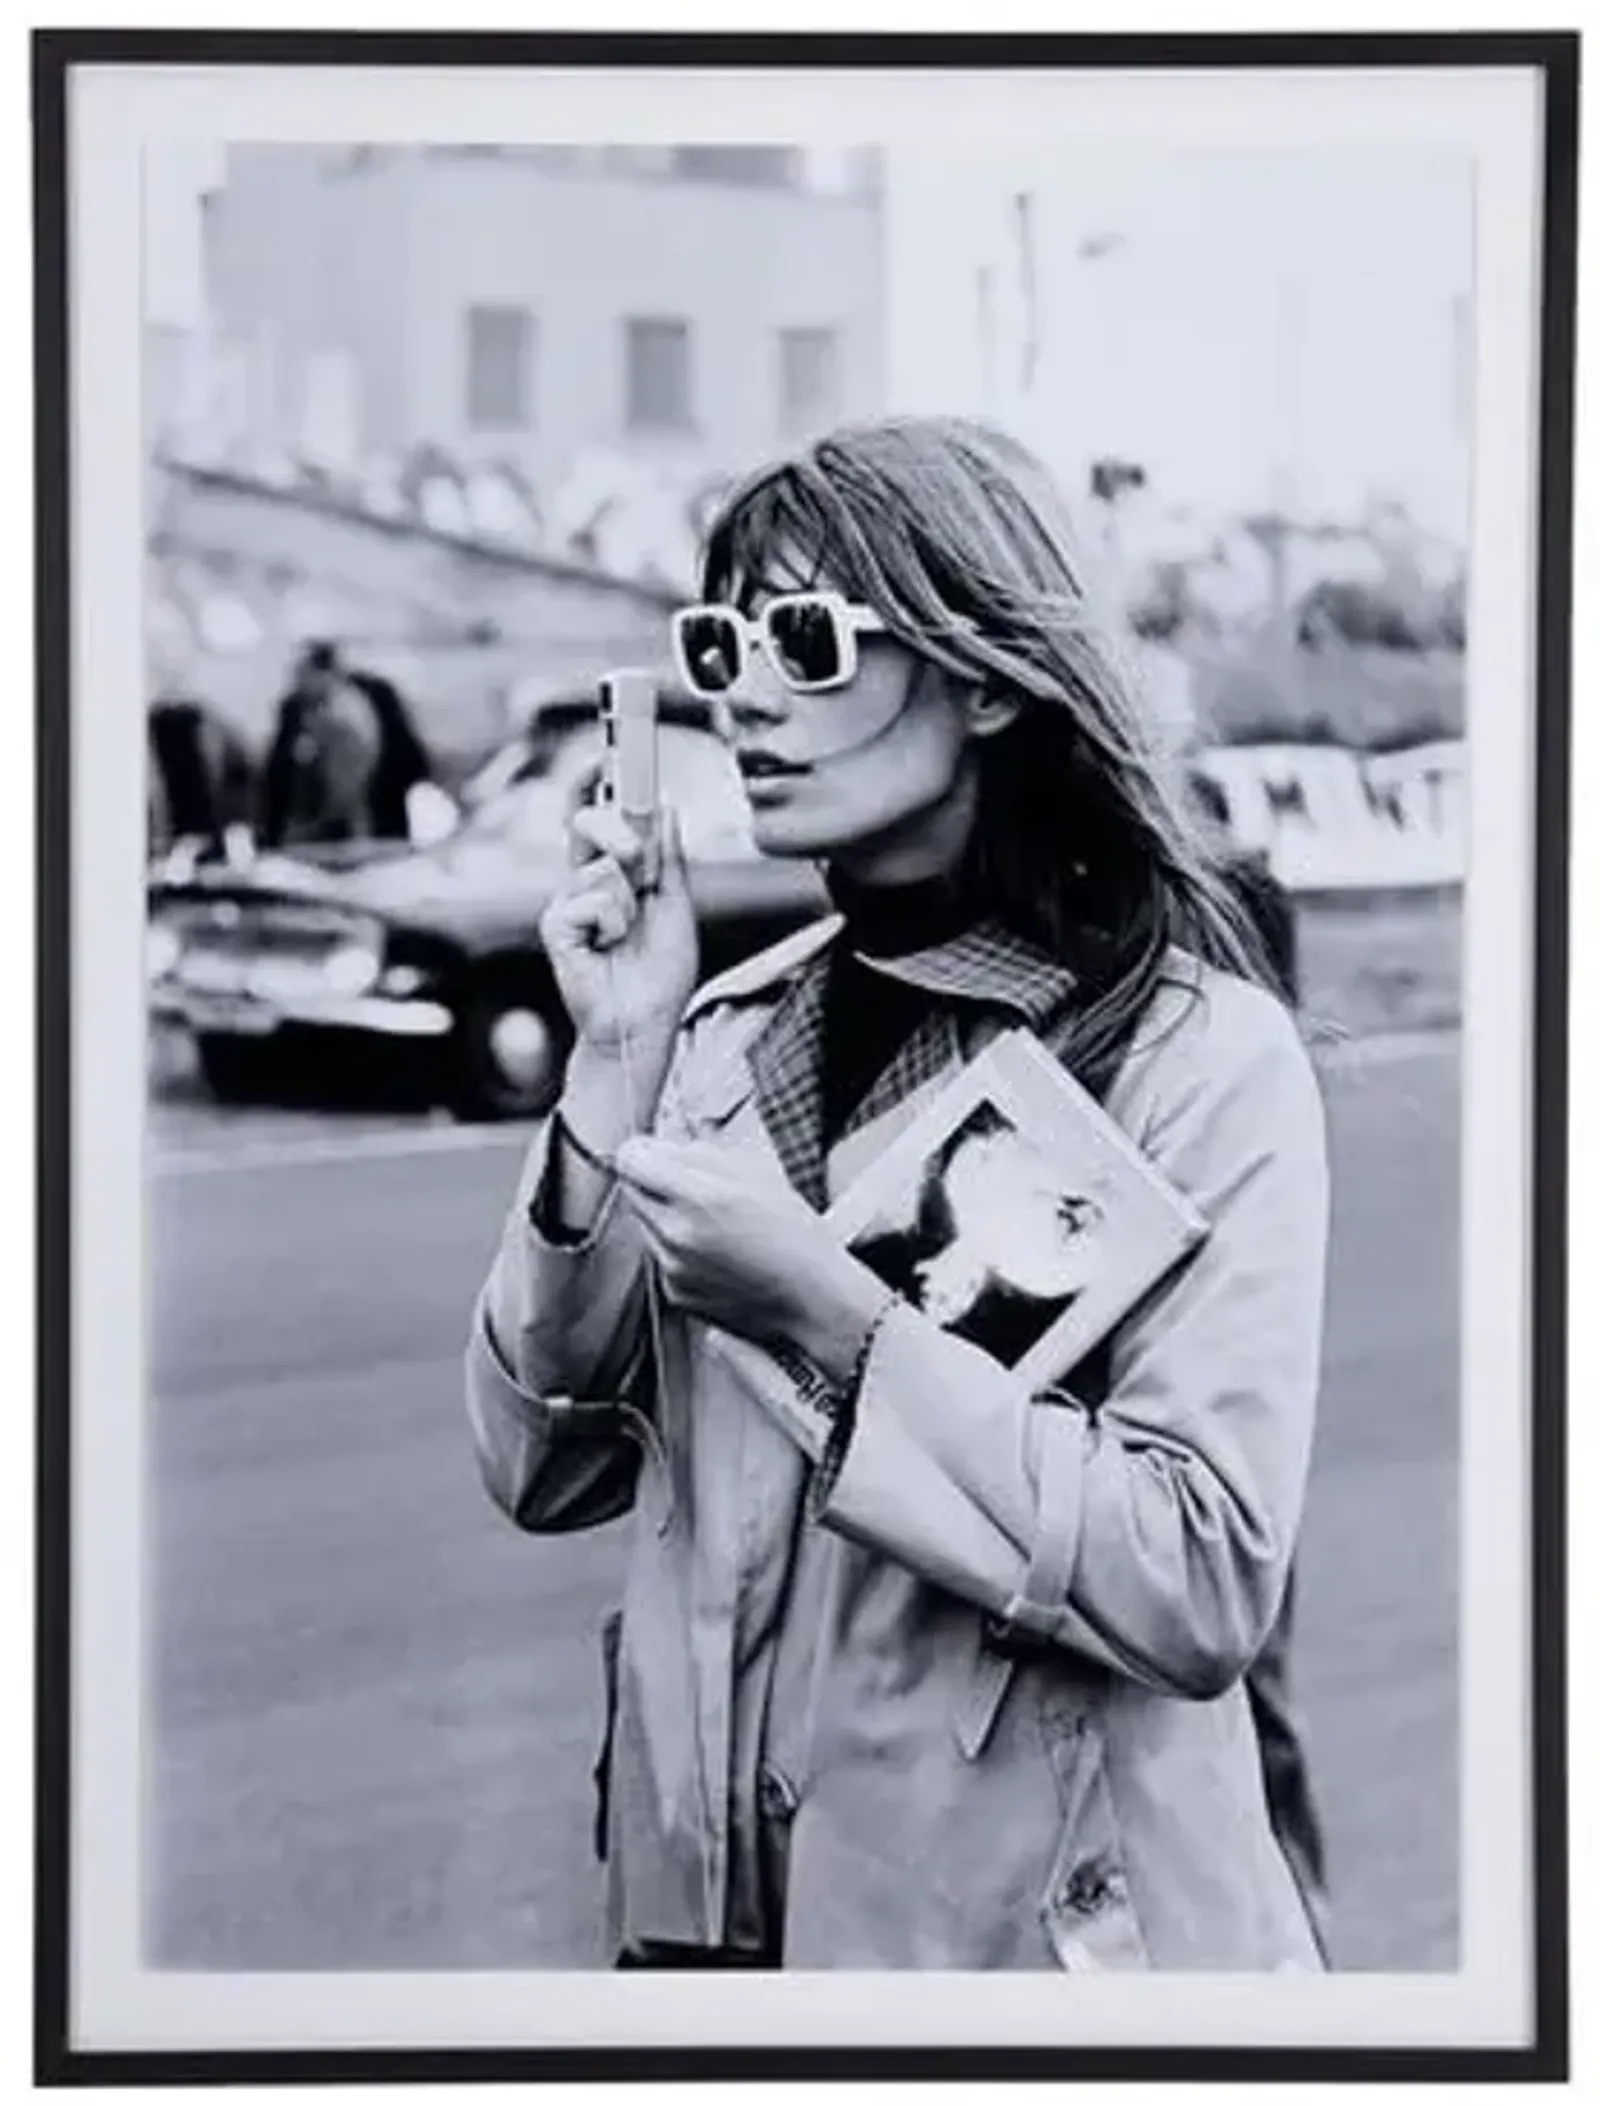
(759, 697)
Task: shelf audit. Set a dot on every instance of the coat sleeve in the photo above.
(1154, 1534)
(559, 1363)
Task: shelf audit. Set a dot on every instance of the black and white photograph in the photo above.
(804, 1055)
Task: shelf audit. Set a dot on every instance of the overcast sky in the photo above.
(1242, 323)
(1230, 319)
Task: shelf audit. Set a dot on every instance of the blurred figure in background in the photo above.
(344, 759)
(323, 754)
(201, 780)
(403, 764)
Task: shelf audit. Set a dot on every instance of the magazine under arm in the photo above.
(1154, 1533)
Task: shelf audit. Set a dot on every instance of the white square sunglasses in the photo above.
(808, 638)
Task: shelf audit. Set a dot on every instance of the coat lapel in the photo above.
(786, 1064)
(985, 968)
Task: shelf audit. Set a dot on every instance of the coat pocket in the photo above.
(1089, 1919)
(610, 1650)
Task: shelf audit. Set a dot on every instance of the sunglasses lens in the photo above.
(711, 648)
(807, 644)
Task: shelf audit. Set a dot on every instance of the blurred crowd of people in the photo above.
(343, 763)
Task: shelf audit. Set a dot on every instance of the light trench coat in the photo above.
(1026, 1741)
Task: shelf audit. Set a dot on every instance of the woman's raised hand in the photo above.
(625, 957)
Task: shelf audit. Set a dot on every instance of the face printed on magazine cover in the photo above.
(1014, 1225)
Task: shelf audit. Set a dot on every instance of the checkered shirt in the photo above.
(986, 967)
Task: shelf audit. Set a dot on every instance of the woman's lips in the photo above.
(752, 765)
(766, 778)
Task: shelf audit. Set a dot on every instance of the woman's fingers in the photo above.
(644, 1176)
(674, 864)
(657, 1217)
(666, 1169)
(581, 792)
(595, 913)
(599, 830)
(605, 877)
(570, 926)
(660, 1225)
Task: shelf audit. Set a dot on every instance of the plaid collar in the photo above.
(986, 966)
(989, 965)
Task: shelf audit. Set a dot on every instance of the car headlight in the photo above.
(351, 969)
(162, 949)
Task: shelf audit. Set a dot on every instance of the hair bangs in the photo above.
(775, 533)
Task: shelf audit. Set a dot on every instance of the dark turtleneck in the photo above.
(868, 1016)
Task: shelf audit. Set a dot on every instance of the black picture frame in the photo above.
(55, 56)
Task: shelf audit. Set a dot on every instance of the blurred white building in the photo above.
(686, 308)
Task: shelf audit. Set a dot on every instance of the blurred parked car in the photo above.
(340, 948)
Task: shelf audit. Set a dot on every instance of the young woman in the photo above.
(914, 1669)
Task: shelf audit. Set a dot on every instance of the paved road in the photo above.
(375, 1705)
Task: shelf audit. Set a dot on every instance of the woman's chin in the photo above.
(782, 832)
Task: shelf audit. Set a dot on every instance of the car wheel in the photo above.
(234, 1070)
(509, 1057)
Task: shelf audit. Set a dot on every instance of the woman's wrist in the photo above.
(839, 1303)
(612, 1044)
(607, 1096)
(602, 1103)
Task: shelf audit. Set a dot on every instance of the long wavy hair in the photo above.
(957, 537)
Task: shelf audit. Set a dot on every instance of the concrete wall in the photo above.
(400, 597)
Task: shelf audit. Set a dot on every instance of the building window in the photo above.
(499, 368)
(658, 375)
(752, 167)
(808, 378)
